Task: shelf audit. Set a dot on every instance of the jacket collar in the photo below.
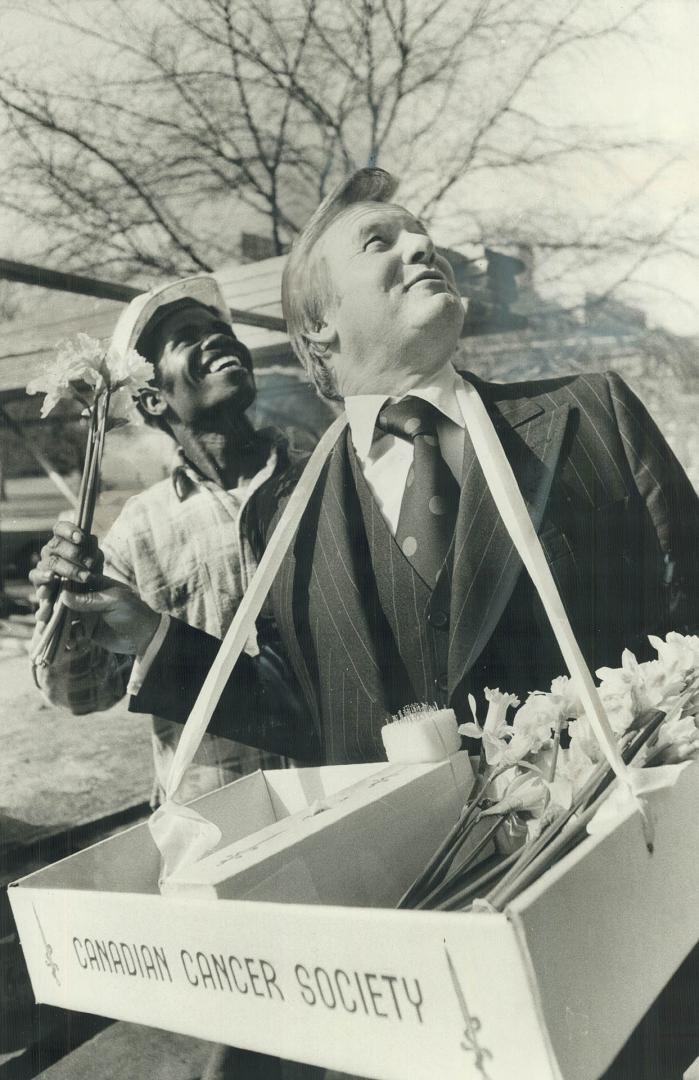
(443, 390)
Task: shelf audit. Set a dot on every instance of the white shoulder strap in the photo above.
(513, 511)
(242, 626)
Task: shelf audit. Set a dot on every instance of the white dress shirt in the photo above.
(386, 460)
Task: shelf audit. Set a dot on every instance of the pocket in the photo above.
(589, 534)
(555, 543)
(175, 598)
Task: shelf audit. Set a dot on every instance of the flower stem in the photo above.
(92, 427)
(52, 627)
(519, 875)
(556, 748)
(569, 837)
(432, 898)
(47, 647)
(472, 890)
(92, 485)
(438, 866)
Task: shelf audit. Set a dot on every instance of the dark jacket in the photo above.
(618, 520)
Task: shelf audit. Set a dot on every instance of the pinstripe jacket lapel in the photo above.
(326, 604)
(283, 600)
(486, 566)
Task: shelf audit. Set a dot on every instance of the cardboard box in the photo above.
(549, 989)
(346, 847)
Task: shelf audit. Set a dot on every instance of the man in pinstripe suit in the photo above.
(373, 314)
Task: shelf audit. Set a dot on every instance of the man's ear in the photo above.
(151, 402)
(323, 333)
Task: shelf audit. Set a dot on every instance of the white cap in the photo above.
(202, 288)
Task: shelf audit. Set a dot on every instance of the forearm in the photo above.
(84, 679)
(108, 624)
(259, 705)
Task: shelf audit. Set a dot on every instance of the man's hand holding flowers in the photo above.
(104, 383)
(123, 623)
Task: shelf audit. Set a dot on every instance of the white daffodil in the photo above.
(527, 791)
(679, 651)
(536, 719)
(472, 729)
(74, 370)
(495, 732)
(584, 739)
(661, 682)
(674, 733)
(678, 752)
(82, 369)
(128, 370)
(622, 691)
(565, 693)
(574, 764)
(122, 407)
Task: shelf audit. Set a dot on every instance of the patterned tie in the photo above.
(431, 497)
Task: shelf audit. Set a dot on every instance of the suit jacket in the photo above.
(616, 515)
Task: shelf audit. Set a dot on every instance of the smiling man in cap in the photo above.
(182, 544)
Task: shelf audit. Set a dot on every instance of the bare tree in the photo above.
(180, 114)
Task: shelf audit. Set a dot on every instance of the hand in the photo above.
(121, 621)
(70, 554)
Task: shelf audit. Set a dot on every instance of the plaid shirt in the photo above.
(183, 546)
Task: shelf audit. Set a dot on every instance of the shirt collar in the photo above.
(186, 477)
(445, 391)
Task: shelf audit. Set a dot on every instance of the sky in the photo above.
(654, 93)
(651, 92)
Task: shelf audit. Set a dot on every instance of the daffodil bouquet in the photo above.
(542, 778)
(104, 383)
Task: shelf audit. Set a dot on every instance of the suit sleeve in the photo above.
(671, 501)
(260, 705)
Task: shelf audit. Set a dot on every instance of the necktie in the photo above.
(431, 497)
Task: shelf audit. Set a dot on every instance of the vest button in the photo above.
(439, 619)
(442, 682)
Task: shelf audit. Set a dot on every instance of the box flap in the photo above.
(606, 928)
